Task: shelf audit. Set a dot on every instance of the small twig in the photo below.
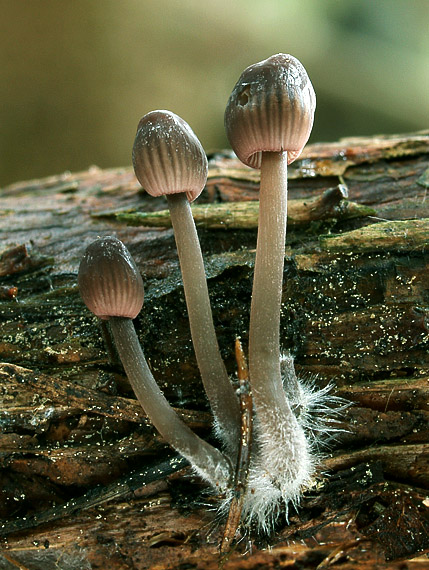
(243, 460)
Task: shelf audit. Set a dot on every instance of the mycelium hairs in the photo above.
(318, 414)
(268, 119)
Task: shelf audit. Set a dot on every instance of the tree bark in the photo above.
(85, 480)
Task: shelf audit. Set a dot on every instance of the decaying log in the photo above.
(85, 480)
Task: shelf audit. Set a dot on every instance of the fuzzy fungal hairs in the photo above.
(278, 475)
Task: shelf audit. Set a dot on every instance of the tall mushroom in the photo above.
(169, 160)
(268, 120)
(112, 288)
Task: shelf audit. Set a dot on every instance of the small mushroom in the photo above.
(112, 288)
(169, 160)
(268, 120)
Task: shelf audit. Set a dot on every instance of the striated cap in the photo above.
(168, 157)
(271, 108)
(109, 282)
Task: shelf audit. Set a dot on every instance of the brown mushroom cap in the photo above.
(109, 282)
(168, 157)
(271, 108)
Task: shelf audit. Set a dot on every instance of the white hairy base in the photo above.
(281, 466)
(286, 449)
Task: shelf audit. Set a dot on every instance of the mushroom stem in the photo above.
(284, 453)
(264, 331)
(206, 459)
(220, 392)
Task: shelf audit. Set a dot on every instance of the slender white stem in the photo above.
(206, 459)
(284, 457)
(264, 332)
(220, 392)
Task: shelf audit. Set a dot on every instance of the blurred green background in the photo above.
(76, 75)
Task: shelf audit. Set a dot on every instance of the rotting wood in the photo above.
(332, 204)
(356, 312)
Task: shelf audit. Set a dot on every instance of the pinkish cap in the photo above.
(271, 108)
(109, 282)
(168, 157)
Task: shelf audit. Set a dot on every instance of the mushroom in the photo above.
(169, 160)
(112, 288)
(268, 120)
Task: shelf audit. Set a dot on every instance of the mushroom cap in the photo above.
(109, 282)
(168, 157)
(271, 108)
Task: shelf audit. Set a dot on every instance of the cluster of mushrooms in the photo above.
(268, 120)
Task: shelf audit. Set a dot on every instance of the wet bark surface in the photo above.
(85, 480)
